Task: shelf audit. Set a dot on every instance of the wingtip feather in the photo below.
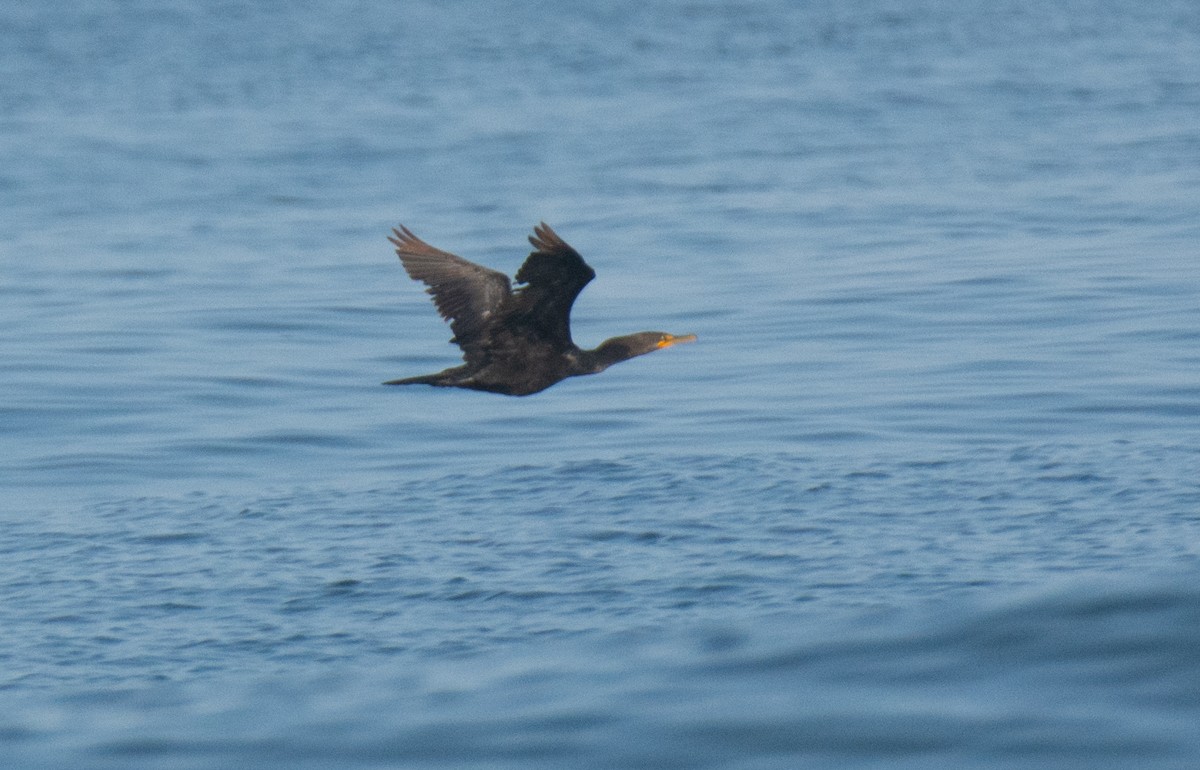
(545, 239)
(402, 235)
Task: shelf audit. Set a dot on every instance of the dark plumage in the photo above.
(515, 341)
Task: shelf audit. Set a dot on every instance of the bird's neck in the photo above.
(611, 351)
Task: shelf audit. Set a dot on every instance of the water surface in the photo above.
(924, 493)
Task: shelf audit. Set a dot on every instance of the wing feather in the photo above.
(467, 295)
(552, 277)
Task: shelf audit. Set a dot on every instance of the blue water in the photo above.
(926, 493)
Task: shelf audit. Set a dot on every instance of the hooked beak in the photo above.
(669, 339)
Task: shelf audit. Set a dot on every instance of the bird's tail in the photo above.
(424, 379)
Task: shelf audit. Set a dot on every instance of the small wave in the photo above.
(1080, 677)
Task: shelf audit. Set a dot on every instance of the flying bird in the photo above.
(515, 340)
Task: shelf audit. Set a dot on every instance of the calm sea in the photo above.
(926, 493)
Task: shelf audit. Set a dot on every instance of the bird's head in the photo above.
(632, 345)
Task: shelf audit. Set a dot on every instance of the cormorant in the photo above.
(515, 341)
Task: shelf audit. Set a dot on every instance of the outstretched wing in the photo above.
(553, 275)
(467, 295)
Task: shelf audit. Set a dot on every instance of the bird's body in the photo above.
(515, 341)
